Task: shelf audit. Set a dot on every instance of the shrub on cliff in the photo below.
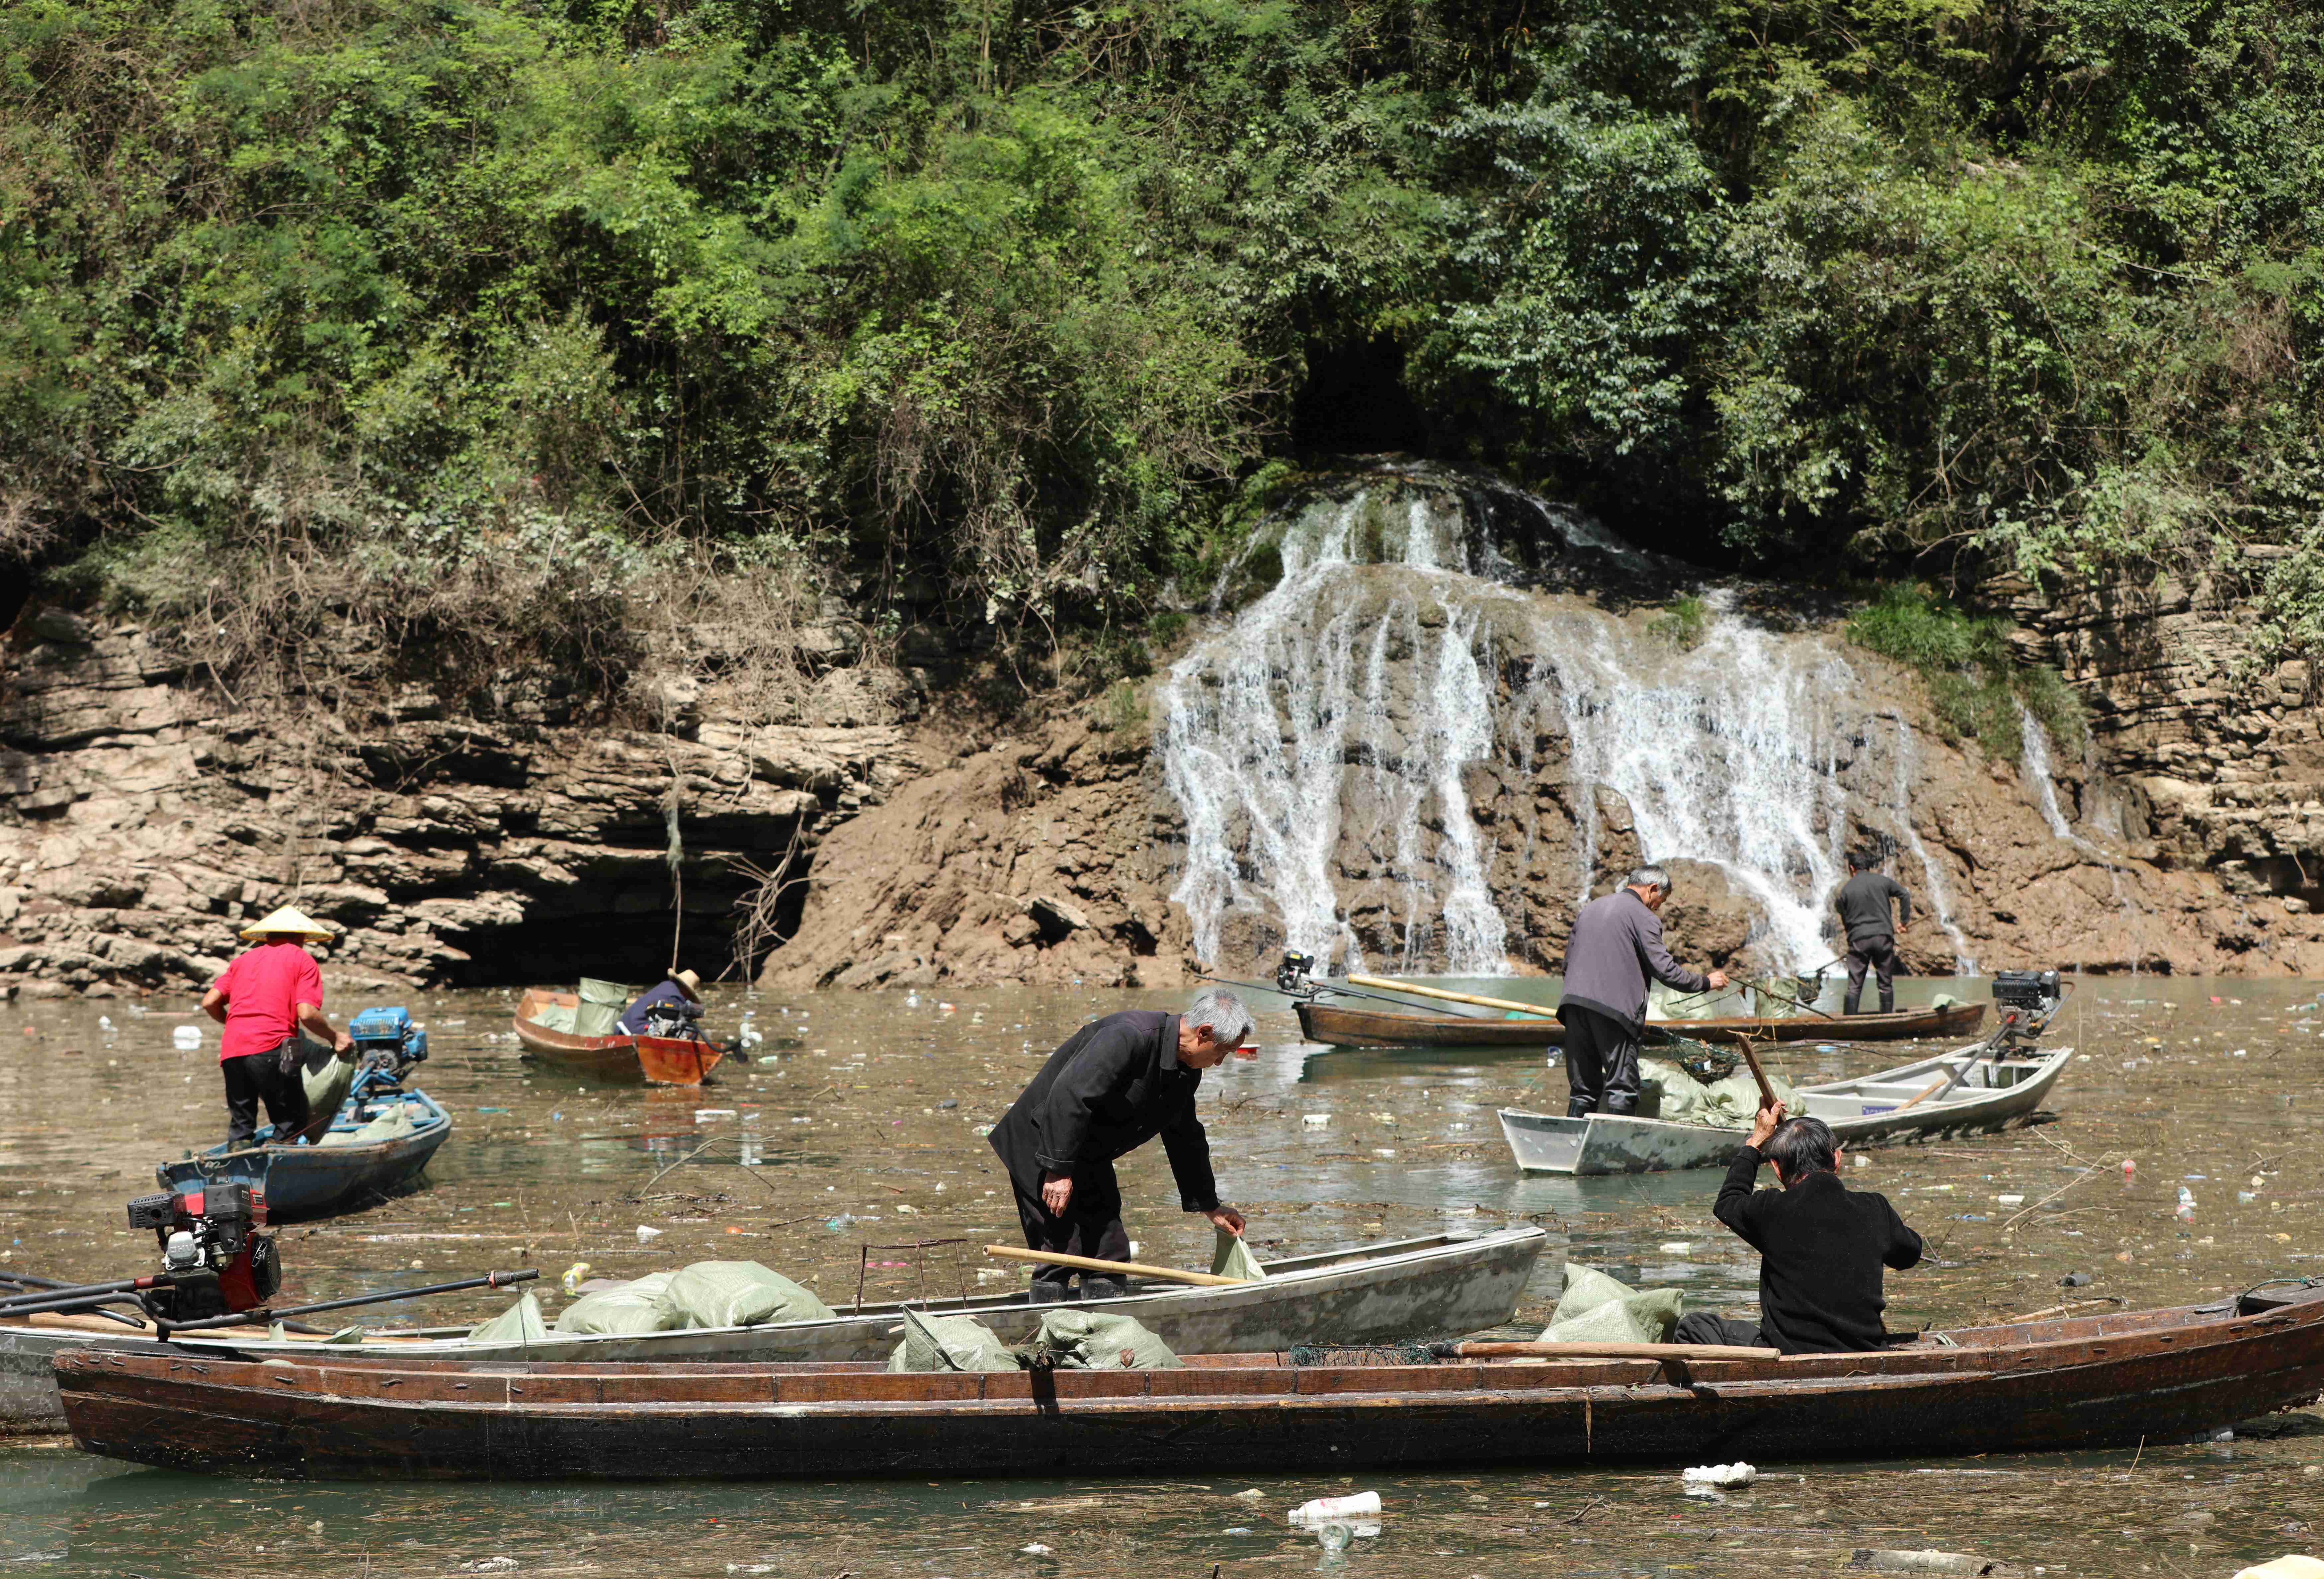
(1978, 687)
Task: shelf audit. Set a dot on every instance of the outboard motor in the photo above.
(214, 1259)
(2026, 1002)
(387, 1043)
(1291, 976)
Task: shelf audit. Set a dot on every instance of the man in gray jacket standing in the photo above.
(1616, 943)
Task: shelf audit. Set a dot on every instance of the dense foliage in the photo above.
(426, 307)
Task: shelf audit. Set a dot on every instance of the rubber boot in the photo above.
(1048, 1291)
(1579, 1107)
(1621, 1106)
(1096, 1286)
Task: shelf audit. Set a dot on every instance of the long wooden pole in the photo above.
(1552, 1351)
(1767, 1091)
(1124, 1268)
(1481, 1002)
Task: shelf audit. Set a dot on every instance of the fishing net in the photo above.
(1407, 1354)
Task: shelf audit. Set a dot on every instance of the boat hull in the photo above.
(1442, 1286)
(1873, 1111)
(2156, 1376)
(314, 1181)
(1363, 1028)
(623, 1060)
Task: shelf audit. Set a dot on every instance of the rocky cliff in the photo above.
(1415, 737)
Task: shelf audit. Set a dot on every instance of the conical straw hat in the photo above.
(287, 919)
(689, 983)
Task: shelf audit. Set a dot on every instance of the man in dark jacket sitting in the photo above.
(1821, 1245)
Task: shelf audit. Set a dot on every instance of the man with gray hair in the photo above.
(1616, 943)
(1116, 1083)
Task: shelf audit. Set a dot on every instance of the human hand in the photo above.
(341, 1042)
(1764, 1125)
(1718, 978)
(1226, 1217)
(1055, 1191)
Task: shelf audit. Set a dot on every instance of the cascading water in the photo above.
(1366, 756)
(1938, 901)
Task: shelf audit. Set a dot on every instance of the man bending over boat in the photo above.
(681, 990)
(270, 1001)
(1821, 1245)
(1616, 943)
(1115, 1084)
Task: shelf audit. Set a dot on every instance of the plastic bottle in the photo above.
(186, 1038)
(2186, 1205)
(1343, 1510)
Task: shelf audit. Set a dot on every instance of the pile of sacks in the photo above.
(1069, 1340)
(706, 1294)
(1667, 1092)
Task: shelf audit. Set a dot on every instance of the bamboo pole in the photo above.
(1120, 1268)
(1767, 1091)
(1553, 1350)
(1481, 1002)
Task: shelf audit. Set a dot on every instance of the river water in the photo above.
(859, 1123)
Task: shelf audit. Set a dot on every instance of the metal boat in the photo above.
(1907, 1103)
(1339, 1027)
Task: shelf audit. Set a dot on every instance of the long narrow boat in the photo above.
(1339, 1027)
(2097, 1382)
(315, 1180)
(1439, 1286)
(1908, 1103)
(657, 1060)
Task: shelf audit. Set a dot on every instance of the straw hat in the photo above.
(690, 982)
(287, 919)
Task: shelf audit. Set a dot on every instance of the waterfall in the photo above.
(1366, 754)
(2033, 741)
(1940, 902)
(1726, 753)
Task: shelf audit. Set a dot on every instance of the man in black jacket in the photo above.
(1821, 1245)
(1862, 902)
(1116, 1083)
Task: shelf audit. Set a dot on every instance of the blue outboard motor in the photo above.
(387, 1043)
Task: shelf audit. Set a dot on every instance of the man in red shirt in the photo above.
(265, 999)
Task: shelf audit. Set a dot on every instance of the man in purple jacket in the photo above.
(1616, 943)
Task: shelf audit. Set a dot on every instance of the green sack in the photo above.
(1093, 1340)
(327, 1082)
(1645, 1318)
(1231, 1258)
(602, 1004)
(521, 1323)
(390, 1123)
(556, 1016)
(950, 1342)
(1667, 1092)
(641, 1307)
(1586, 1288)
(1597, 1309)
(740, 1294)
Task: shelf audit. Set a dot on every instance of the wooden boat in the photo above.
(658, 1060)
(1339, 1027)
(1439, 1286)
(1898, 1105)
(315, 1180)
(2095, 1381)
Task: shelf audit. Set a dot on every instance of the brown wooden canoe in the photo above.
(658, 1060)
(1339, 1027)
(2094, 1381)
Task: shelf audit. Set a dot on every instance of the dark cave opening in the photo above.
(1354, 401)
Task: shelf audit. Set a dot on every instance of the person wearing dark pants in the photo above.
(268, 996)
(1823, 1247)
(1863, 906)
(1616, 943)
(1115, 1084)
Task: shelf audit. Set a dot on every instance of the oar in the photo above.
(1578, 1350)
(1483, 1002)
(1120, 1268)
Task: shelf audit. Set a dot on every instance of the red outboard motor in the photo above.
(214, 1259)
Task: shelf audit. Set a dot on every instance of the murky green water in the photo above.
(2212, 1086)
